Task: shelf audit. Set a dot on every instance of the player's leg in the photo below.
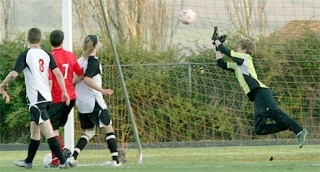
(47, 130)
(265, 104)
(32, 148)
(89, 132)
(261, 127)
(58, 114)
(106, 122)
(286, 121)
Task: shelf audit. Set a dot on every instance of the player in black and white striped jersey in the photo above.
(93, 110)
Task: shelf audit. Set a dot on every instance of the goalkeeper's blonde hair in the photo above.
(247, 44)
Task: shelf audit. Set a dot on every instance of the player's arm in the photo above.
(50, 79)
(76, 79)
(93, 68)
(89, 81)
(78, 71)
(18, 67)
(10, 77)
(228, 52)
(220, 62)
(57, 73)
(4, 95)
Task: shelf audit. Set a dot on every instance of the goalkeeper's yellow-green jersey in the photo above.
(243, 68)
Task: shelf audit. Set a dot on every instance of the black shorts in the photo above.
(95, 118)
(39, 112)
(59, 113)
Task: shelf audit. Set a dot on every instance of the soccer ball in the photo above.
(187, 16)
(47, 160)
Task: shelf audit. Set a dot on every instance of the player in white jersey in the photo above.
(92, 107)
(35, 64)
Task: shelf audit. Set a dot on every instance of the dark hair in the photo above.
(56, 38)
(94, 39)
(34, 35)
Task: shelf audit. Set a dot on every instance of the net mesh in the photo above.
(189, 101)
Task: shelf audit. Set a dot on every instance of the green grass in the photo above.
(222, 159)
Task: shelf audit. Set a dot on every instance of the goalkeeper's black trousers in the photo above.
(265, 107)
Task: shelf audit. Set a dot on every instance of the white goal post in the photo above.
(67, 45)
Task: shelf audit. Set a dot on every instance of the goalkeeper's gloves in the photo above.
(215, 34)
(222, 38)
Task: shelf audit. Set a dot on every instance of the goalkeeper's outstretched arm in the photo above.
(227, 51)
(220, 62)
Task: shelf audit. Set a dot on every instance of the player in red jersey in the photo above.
(59, 111)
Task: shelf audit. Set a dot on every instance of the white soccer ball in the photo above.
(187, 16)
(47, 160)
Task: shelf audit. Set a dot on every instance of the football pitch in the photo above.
(287, 158)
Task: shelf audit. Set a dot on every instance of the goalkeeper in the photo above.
(260, 94)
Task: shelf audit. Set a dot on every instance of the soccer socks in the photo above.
(112, 144)
(55, 148)
(55, 160)
(82, 142)
(32, 150)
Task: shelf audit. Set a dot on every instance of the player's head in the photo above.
(34, 36)
(89, 45)
(247, 45)
(56, 38)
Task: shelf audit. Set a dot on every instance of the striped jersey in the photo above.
(35, 64)
(86, 96)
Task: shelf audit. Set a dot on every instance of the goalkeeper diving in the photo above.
(264, 104)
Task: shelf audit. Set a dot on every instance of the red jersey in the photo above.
(68, 65)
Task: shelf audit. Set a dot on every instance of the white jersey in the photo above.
(35, 63)
(86, 96)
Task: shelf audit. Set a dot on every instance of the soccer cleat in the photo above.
(22, 164)
(73, 162)
(65, 165)
(66, 153)
(302, 137)
(112, 163)
(115, 164)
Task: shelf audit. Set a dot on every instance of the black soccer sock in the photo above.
(55, 148)
(32, 150)
(82, 142)
(112, 144)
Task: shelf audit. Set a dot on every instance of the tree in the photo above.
(241, 12)
(145, 21)
(6, 8)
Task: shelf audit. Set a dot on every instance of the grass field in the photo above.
(223, 159)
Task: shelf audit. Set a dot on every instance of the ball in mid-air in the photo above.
(187, 16)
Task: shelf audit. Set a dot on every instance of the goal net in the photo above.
(179, 98)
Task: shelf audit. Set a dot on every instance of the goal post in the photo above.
(67, 45)
(123, 84)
